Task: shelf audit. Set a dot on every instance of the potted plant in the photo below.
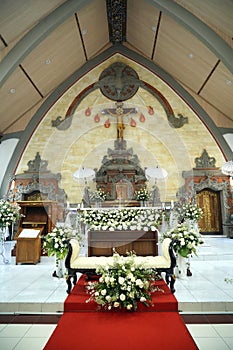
(123, 284)
(186, 240)
(55, 243)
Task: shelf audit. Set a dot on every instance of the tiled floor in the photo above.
(31, 289)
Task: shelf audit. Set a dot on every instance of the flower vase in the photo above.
(4, 252)
(2, 248)
(196, 227)
(190, 224)
(60, 268)
(181, 267)
(8, 246)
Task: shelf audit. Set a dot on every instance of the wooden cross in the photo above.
(119, 112)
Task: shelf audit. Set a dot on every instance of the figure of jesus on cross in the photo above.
(119, 112)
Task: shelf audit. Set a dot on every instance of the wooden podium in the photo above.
(38, 214)
(28, 245)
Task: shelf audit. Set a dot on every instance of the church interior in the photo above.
(101, 100)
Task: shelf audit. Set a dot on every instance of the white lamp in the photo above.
(156, 173)
(84, 174)
(227, 168)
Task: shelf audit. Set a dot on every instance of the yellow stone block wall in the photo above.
(86, 142)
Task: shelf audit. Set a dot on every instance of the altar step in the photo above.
(215, 248)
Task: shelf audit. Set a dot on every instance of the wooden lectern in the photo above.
(28, 246)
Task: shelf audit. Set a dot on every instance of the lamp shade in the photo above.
(156, 173)
(84, 174)
(227, 168)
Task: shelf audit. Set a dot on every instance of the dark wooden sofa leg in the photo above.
(169, 278)
(71, 275)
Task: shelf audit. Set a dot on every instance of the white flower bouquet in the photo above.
(9, 213)
(190, 211)
(99, 195)
(185, 240)
(142, 194)
(122, 219)
(123, 284)
(56, 242)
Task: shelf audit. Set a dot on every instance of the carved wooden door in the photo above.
(209, 201)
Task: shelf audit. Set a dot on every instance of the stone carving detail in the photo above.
(205, 161)
(119, 82)
(177, 121)
(21, 190)
(117, 15)
(62, 123)
(37, 178)
(37, 164)
(120, 165)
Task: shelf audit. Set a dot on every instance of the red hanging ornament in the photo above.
(107, 123)
(133, 122)
(142, 118)
(88, 112)
(97, 118)
(150, 110)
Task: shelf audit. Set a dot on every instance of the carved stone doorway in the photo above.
(209, 201)
(123, 190)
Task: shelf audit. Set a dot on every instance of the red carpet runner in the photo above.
(82, 327)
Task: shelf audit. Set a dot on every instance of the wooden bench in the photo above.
(88, 264)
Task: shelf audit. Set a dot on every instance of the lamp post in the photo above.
(83, 175)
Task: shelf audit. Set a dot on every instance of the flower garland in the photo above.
(190, 211)
(9, 213)
(142, 194)
(123, 284)
(56, 242)
(185, 240)
(121, 219)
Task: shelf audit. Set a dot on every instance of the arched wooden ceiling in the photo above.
(44, 42)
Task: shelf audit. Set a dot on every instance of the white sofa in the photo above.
(88, 264)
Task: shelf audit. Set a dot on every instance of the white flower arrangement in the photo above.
(56, 242)
(185, 240)
(122, 219)
(9, 213)
(99, 195)
(190, 211)
(142, 194)
(123, 284)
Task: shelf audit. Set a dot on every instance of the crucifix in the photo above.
(119, 112)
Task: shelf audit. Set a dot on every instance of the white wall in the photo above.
(7, 148)
(229, 140)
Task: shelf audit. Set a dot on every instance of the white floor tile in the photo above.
(9, 343)
(14, 331)
(229, 342)
(31, 343)
(40, 330)
(224, 330)
(200, 331)
(211, 344)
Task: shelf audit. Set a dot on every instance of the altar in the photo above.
(120, 173)
(123, 229)
(118, 203)
(102, 243)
